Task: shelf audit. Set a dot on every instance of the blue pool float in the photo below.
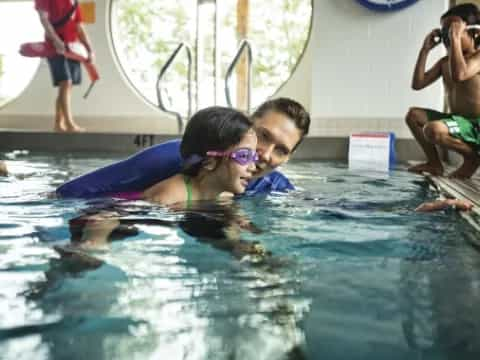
(147, 168)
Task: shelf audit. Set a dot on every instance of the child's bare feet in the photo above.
(3, 169)
(468, 168)
(59, 128)
(434, 169)
(74, 128)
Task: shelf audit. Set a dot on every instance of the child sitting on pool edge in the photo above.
(460, 72)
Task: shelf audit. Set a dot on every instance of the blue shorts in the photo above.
(63, 69)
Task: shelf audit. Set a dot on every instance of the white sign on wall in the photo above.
(371, 151)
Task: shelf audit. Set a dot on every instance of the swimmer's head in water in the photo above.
(280, 124)
(291, 109)
(211, 129)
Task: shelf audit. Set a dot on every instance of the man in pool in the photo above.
(460, 72)
(281, 125)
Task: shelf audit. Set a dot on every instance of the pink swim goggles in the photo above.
(241, 156)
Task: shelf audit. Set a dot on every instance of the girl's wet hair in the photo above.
(213, 128)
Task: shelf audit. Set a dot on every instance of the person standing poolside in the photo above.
(459, 70)
(281, 125)
(62, 22)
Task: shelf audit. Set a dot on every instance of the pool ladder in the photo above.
(161, 75)
(244, 46)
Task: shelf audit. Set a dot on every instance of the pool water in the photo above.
(354, 273)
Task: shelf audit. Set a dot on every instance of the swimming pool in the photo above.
(354, 274)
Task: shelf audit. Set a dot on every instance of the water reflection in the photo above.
(353, 273)
(166, 291)
(440, 288)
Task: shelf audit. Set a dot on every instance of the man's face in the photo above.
(277, 137)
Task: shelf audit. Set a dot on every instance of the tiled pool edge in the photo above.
(312, 148)
(464, 190)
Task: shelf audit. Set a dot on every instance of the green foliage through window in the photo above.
(146, 32)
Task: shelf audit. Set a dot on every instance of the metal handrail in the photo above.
(243, 44)
(160, 77)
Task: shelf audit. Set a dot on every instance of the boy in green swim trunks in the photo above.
(460, 72)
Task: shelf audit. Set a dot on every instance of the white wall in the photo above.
(363, 64)
(299, 86)
(354, 75)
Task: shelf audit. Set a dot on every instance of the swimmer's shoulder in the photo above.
(166, 192)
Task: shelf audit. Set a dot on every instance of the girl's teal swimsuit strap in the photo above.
(188, 187)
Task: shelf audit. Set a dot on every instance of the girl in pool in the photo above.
(218, 151)
(218, 148)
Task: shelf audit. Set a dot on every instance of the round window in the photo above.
(16, 71)
(146, 34)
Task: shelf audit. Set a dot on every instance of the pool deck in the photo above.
(312, 148)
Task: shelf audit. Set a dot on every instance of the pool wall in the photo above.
(356, 72)
(312, 148)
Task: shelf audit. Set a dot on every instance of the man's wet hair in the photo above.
(214, 128)
(291, 109)
(468, 12)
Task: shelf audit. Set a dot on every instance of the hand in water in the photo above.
(463, 205)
